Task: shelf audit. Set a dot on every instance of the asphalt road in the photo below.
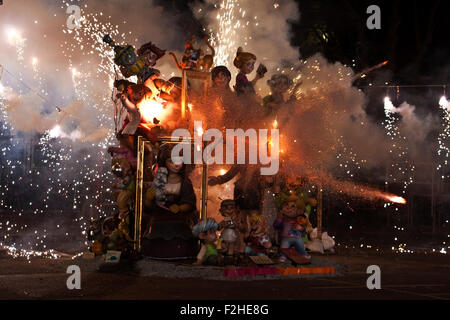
(403, 277)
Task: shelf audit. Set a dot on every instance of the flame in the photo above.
(275, 124)
(396, 199)
(222, 172)
(190, 105)
(151, 109)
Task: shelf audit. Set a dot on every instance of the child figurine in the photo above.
(258, 233)
(245, 62)
(206, 232)
(291, 231)
(221, 78)
(230, 236)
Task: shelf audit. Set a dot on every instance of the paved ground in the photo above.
(403, 277)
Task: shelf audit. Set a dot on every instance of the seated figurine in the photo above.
(206, 232)
(258, 233)
(170, 209)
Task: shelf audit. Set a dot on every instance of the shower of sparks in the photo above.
(401, 166)
(444, 148)
(230, 32)
(63, 179)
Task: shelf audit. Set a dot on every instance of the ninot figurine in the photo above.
(132, 64)
(206, 231)
(258, 233)
(245, 62)
(125, 189)
(291, 230)
(233, 227)
(170, 209)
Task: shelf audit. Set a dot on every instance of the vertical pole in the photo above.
(183, 93)
(139, 191)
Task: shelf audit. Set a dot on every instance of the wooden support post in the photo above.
(142, 142)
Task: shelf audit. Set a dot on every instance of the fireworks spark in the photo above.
(444, 148)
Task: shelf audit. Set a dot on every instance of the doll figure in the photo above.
(221, 78)
(291, 231)
(140, 64)
(245, 62)
(258, 233)
(231, 236)
(125, 189)
(206, 232)
(150, 54)
(170, 209)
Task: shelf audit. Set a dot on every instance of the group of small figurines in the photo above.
(243, 236)
(170, 219)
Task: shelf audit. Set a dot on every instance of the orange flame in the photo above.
(151, 109)
(396, 199)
